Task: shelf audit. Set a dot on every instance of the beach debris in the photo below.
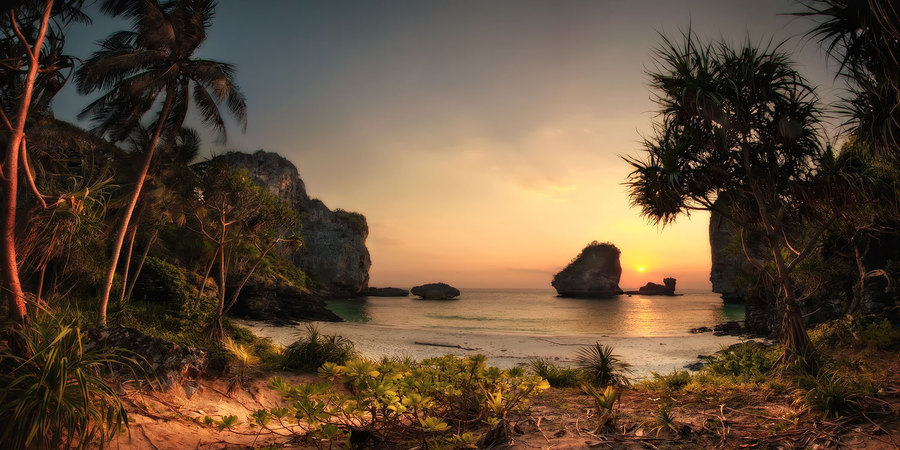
(435, 344)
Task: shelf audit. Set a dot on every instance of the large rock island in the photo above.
(334, 250)
(594, 273)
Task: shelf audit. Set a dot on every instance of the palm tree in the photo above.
(154, 66)
(32, 66)
(740, 124)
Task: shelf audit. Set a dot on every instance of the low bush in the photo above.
(435, 402)
(747, 361)
(831, 395)
(314, 349)
(674, 381)
(855, 331)
(556, 375)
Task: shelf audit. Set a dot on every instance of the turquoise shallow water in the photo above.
(540, 311)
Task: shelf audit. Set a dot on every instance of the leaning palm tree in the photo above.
(149, 68)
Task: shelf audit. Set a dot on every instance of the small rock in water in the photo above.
(700, 330)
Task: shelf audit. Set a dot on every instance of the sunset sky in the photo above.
(481, 139)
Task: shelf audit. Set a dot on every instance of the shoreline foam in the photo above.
(645, 354)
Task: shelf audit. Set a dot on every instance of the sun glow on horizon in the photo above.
(640, 269)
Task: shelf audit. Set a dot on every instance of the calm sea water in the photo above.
(540, 311)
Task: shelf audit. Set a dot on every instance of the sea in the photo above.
(542, 312)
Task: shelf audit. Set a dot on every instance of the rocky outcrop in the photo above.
(594, 273)
(262, 299)
(667, 288)
(386, 292)
(334, 250)
(168, 362)
(435, 291)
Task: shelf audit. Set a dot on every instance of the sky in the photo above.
(482, 139)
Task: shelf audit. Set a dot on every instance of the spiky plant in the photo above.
(58, 397)
(601, 366)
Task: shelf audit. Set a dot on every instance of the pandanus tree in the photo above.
(740, 124)
(152, 72)
(863, 36)
(33, 70)
(244, 222)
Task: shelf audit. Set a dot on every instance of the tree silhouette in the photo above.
(152, 65)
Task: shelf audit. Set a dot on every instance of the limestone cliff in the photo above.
(594, 273)
(334, 252)
(733, 276)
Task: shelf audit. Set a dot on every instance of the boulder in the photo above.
(594, 273)
(435, 291)
(168, 362)
(334, 252)
(385, 292)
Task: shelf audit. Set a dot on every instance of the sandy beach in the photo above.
(645, 354)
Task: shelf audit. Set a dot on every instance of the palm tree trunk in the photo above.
(126, 214)
(137, 271)
(125, 270)
(11, 286)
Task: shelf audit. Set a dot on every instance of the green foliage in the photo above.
(601, 366)
(674, 381)
(832, 395)
(604, 402)
(556, 375)
(400, 401)
(855, 331)
(58, 397)
(355, 220)
(747, 361)
(314, 349)
(663, 419)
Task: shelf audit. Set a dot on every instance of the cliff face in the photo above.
(594, 273)
(731, 274)
(334, 252)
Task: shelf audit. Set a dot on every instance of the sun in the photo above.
(641, 269)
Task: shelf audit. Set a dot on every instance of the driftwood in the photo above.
(444, 345)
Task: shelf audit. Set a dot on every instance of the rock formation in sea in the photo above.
(435, 291)
(385, 292)
(594, 273)
(651, 288)
(334, 252)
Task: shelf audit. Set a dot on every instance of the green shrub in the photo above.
(601, 366)
(747, 361)
(674, 381)
(832, 395)
(604, 403)
(314, 349)
(399, 402)
(556, 375)
(57, 398)
(855, 331)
